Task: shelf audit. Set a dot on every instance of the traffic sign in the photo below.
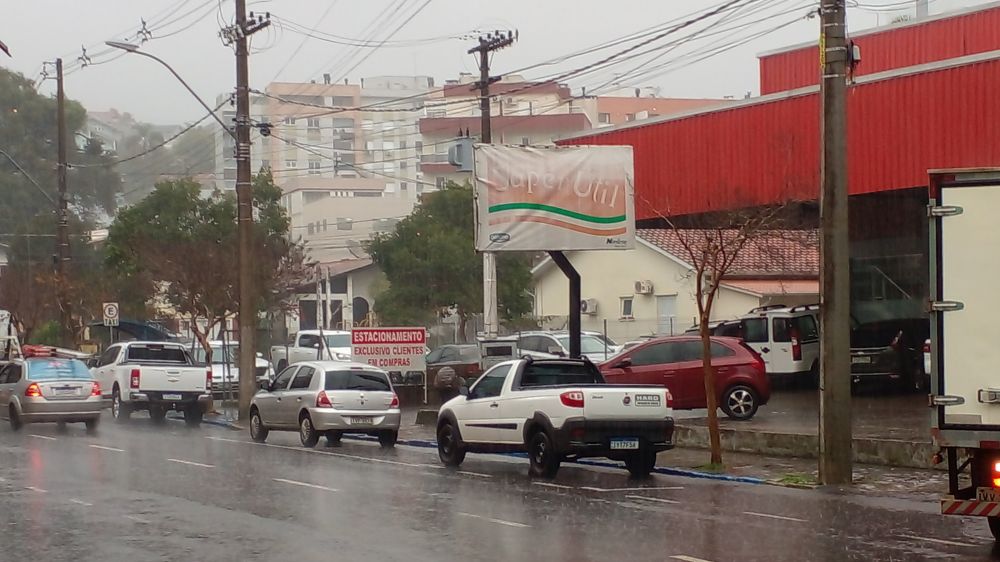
(110, 313)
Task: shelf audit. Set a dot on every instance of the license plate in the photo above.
(862, 360)
(66, 391)
(172, 397)
(647, 399)
(362, 420)
(988, 494)
(624, 444)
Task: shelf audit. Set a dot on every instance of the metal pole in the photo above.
(574, 301)
(835, 440)
(62, 228)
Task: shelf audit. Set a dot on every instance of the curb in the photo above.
(218, 422)
(670, 471)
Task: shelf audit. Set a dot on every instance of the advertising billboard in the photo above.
(559, 198)
(392, 349)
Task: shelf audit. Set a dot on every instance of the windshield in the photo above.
(588, 344)
(156, 352)
(50, 369)
(338, 340)
(220, 354)
(371, 381)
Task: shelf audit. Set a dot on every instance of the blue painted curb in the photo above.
(687, 473)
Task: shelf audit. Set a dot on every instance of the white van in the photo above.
(786, 337)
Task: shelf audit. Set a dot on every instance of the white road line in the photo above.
(686, 558)
(46, 437)
(650, 488)
(192, 463)
(553, 485)
(36, 489)
(938, 541)
(2, 479)
(659, 500)
(770, 516)
(492, 520)
(103, 448)
(138, 519)
(467, 473)
(80, 502)
(304, 484)
(329, 453)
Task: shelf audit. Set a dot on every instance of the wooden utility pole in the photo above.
(835, 439)
(487, 44)
(62, 227)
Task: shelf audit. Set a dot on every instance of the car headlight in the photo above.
(343, 357)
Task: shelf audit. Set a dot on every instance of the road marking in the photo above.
(466, 472)
(770, 516)
(304, 484)
(192, 463)
(2, 479)
(330, 453)
(492, 520)
(593, 489)
(686, 558)
(553, 485)
(138, 519)
(80, 502)
(103, 448)
(35, 489)
(938, 541)
(660, 500)
(46, 437)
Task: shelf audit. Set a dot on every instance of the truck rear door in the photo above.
(164, 368)
(964, 269)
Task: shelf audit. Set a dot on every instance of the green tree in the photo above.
(433, 269)
(186, 246)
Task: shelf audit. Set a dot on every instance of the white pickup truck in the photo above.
(308, 345)
(154, 376)
(556, 409)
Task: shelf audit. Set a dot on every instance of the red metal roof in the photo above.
(785, 253)
(766, 150)
(938, 38)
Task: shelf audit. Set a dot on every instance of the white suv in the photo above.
(786, 337)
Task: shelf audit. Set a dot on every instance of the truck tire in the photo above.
(543, 458)
(193, 416)
(740, 402)
(119, 410)
(450, 451)
(641, 463)
(387, 439)
(158, 414)
(258, 431)
(15, 420)
(994, 527)
(307, 433)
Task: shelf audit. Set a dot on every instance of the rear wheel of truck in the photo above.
(542, 456)
(193, 415)
(119, 410)
(641, 463)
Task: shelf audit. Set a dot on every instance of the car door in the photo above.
(4, 388)
(646, 364)
(685, 357)
(298, 395)
(269, 403)
(307, 349)
(757, 335)
(481, 410)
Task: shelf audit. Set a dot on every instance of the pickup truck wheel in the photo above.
(119, 410)
(158, 414)
(387, 439)
(258, 431)
(542, 456)
(640, 463)
(994, 527)
(449, 451)
(307, 433)
(740, 402)
(193, 416)
(15, 420)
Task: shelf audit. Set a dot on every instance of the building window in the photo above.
(603, 117)
(402, 145)
(310, 229)
(345, 224)
(626, 307)
(290, 164)
(630, 116)
(404, 165)
(314, 167)
(403, 186)
(289, 120)
(313, 123)
(324, 225)
(440, 182)
(418, 146)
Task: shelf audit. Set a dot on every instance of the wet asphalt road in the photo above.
(141, 492)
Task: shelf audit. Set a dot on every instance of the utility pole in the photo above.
(488, 43)
(835, 439)
(62, 228)
(237, 34)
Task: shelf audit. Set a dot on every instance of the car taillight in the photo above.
(208, 378)
(927, 346)
(796, 346)
(996, 475)
(670, 400)
(95, 389)
(33, 391)
(134, 379)
(395, 401)
(322, 400)
(573, 399)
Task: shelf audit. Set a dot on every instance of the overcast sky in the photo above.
(185, 34)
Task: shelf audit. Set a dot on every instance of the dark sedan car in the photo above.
(890, 349)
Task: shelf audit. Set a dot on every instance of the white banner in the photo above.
(392, 349)
(560, 198)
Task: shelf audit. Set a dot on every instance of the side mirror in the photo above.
(463, 391)
(625, 363)
(556, 350)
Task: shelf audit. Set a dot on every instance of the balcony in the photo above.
(434, 158)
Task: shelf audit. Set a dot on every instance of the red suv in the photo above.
(676, 362)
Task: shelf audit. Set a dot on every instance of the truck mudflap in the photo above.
(970, 508)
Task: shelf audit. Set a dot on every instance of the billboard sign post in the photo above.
(554, 199)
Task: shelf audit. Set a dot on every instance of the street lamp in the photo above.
(132, 48)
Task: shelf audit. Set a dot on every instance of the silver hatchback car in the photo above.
(327, 398)
(49, 389)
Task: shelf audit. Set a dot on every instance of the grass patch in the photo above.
(712, 467)
(798, 479)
